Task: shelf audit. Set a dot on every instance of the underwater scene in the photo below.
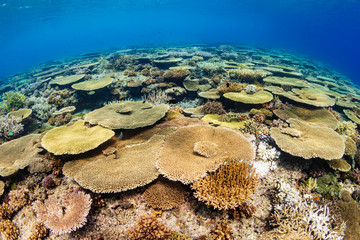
(179, 120)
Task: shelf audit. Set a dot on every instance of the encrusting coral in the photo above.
(65, 215)
(149, 228)
(228, 187)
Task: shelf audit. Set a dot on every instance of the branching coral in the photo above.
(213, 108)
(244, 210)
(228, 187)
(9, 230)
(39, 232)
(149, 228)
(66, 215)
(222, 231)
(13, 100)
(5, 211)
(246, 75)
(17, 199)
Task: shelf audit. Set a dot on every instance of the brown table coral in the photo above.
(306, 141)
(127, 115)
(179, 161)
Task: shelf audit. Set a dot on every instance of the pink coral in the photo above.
(66, 215)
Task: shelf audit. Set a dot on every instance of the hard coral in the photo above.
(228, 187)
(222, 231)
(149, 228)
(13, 100)
(244, 210)
(164, 195)
(6, 211)
(10, 127)
(39, 232)
(66, 215)
(9, 230)
(213, 108)
(17, 199)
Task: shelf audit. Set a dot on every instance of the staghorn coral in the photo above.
(213, 108)
(222, 231)
(13, 100)
(149, 228)
(65, 215)
(164, 195)
(10, 127)
(9, 230)
(228, 187)
(38, 232)
(308, 219)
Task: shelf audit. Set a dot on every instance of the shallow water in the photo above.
(152, 120)
(35, 31)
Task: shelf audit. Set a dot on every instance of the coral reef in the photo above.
(222, 231)
(149, 228)
(228, 187)
(10, 127)
(65, 215)
(164, 195)
(9, 230)
(213, 108)
(13, 100)
(39, 232)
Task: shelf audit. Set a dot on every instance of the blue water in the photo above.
(34, 31)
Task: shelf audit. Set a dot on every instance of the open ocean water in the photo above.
(34, 31)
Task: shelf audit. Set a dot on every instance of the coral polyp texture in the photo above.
(64, 215)
(307, 141)
(127, 115)
(75, 138)
(164, 195)
(228, 187)
(179, 162)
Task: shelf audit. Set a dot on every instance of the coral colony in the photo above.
(195, 142)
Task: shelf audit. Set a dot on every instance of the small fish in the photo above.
(10, 133)
(229, 156)
(316, 198)
(10, 116)
(257, 132)
(22, 116)
(13, 109)
(227, 84)
(149, 100)
(121, 135)
(144, 101)
(121, 97)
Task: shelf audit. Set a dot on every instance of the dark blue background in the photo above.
(35, 31)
